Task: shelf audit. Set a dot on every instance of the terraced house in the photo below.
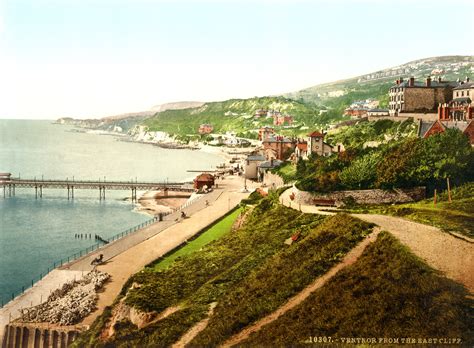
(413, 97)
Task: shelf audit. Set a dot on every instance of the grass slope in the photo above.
(282, 276)
(388, 293)
(200, 278)
(214, 232)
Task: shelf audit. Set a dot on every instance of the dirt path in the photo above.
(450, 255)
(454, 257)
(349, 259)
(195, 330)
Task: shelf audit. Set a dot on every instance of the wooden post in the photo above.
(434, 200)
(449, 191)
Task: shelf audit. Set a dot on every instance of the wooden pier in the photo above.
(9, 186)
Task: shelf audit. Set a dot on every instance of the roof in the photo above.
(424, 127)
(465, 85)
(462, 100)
(378, 110)
(204, 177)
(255, 158)
(273, 139)
(316, 134)
(422, 84)
(270, 164)
(461, 125)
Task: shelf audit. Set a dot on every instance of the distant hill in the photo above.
(176, 106)
(313, 107)
(341, 93)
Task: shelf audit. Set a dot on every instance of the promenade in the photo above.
(128, 255)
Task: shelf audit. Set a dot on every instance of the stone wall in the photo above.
(271, 179)
(374, 196)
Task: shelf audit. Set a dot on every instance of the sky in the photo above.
(93, 58)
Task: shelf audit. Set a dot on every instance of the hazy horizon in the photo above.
(91, 59)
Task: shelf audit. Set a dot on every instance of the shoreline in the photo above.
(154, 202)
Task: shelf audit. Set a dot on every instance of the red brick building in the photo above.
(205, 129)
(461, 107)
(281, 120)
(280, 146)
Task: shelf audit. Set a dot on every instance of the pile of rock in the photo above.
(69, 304)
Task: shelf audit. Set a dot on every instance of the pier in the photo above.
(10, 185)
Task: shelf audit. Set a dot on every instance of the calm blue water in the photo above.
(34, 233)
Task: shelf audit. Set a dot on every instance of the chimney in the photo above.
(411, 83)
(397, 82)
(440, 79)
(467, 78)
(428, 81)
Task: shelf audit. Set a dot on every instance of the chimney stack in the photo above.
(411, 83)
(397, 82)
(467, 78)
(440, 79)
(428, 81)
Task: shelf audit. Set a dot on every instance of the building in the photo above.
(301, 149)
(264, 167)
(260, 113)
(377, 112)
(426, 129)
(281, 120)
(251, 166)
(5, 177)
(317, 145)
(203, 181)
(265, 132)
(205, 128)
(461, 107)
(356, 112)
(278, 147)
(419, 97)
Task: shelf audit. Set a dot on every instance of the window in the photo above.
(462, 94)
(457, 94)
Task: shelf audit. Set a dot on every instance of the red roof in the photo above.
(204, 177)
(315, 134)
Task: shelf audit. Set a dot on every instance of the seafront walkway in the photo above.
(128, 255)
(125, 264)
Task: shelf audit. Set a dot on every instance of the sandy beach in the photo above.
(155, 202)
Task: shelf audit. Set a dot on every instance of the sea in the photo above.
(37, 232)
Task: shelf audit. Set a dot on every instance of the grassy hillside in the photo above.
(237, 115)
(388, 293)
(251, 261)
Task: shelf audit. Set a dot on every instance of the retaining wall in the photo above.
(375, 196)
